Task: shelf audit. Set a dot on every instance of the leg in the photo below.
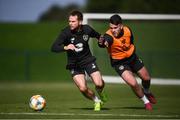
(129, 78)
(82, 85)
(138, 66)
(87, 92)
(97, 80)
(142, 72)
(99, 83)
(93, 71)
(125, 71)
(146, 81)
(145, 77)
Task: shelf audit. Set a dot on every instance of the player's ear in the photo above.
(120, 25)
(80, 22)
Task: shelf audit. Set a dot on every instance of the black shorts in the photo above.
(133, 65)
(89, 68)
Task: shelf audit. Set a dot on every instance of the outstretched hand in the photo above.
(101, 40)
(70, 47)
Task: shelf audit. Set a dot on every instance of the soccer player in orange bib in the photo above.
(119, 42)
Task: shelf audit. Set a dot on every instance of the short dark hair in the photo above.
(115, 19)
(77, 13)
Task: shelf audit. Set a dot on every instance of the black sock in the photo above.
(146, 85)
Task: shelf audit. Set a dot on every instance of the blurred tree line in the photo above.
(56, 13)
(134, 6)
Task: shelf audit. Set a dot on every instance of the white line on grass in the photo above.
(75, 114)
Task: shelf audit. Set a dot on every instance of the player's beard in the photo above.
(75, 28)
(72, 27)
(116, 33)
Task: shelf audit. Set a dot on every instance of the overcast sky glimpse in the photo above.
(29, 10)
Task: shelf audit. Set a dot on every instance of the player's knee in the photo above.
(99, 85)
(83, 89)
(146, 77)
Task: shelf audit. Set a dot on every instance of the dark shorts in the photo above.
(89, 69)
(133, 65)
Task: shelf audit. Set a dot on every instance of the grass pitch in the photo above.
(64, 101)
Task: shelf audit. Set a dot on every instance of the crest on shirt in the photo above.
(121, 67)
(85, 37)
(72, 71)
(140, 60)
(93, 66)
(72, 40)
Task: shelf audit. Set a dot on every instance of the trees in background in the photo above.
(56, 13)
(134, 6)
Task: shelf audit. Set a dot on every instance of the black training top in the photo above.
(81, 55)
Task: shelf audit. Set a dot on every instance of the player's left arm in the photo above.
(103, 40)
(93, 33)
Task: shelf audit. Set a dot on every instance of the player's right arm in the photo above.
(58, 45)
(70, 47)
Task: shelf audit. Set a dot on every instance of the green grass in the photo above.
(64, 101)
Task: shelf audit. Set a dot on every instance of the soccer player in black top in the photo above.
(74, 40)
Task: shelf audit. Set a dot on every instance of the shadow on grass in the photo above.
(137, 108)
(89, 108)
(110, 108)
